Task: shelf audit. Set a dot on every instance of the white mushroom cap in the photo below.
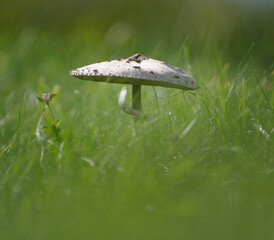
(137, 70)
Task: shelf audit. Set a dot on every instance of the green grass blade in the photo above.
(243, 103)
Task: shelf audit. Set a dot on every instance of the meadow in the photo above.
(202, 166)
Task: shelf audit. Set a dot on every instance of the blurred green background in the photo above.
(231, 26)
(106, 183)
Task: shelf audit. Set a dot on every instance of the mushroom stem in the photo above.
(127, 109)
(136, 97)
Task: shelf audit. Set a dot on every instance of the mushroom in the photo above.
(137, 70)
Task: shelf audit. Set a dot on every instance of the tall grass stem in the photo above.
(51, 113)
(243, 103)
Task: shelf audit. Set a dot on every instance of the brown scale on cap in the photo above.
(175, 76)
(137, 58)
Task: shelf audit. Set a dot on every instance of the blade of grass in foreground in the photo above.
(272, 78)
(243, 102)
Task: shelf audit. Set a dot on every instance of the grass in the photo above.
(202, 169)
